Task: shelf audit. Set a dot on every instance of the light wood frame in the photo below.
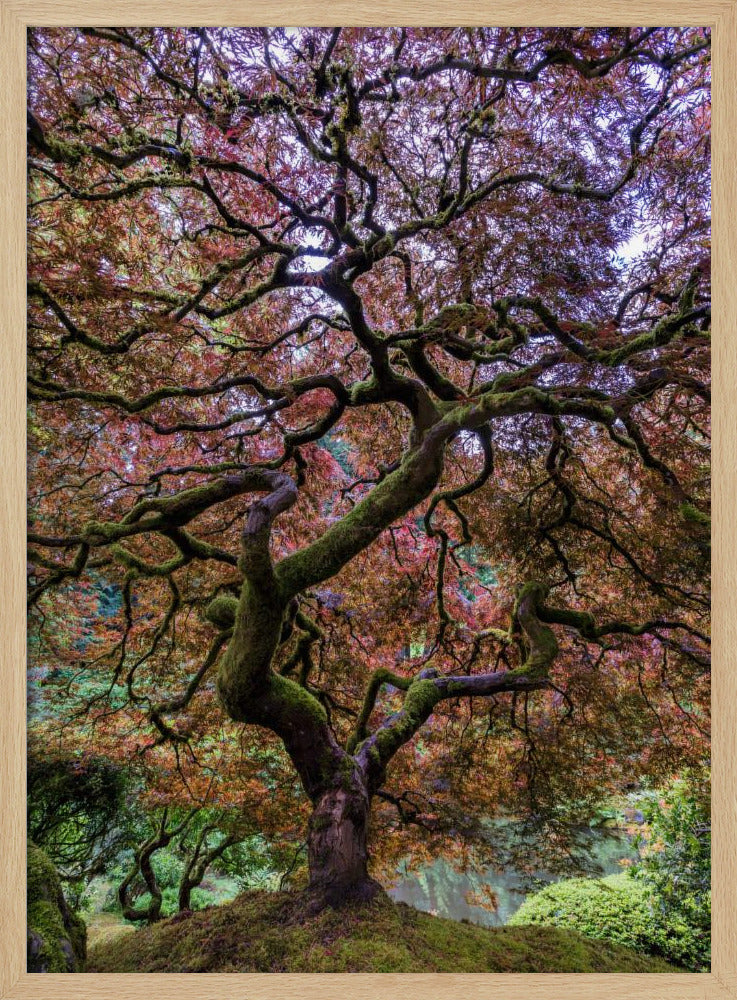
(15, 983)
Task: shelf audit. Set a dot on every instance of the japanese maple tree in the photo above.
(369, 380)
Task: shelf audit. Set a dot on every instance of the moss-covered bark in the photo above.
(337, 842)
(252, 692)
(542, 646)
(391, 499)
(56, 937)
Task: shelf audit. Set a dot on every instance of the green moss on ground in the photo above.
(270, 932)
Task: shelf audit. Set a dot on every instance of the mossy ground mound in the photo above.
(271, 932)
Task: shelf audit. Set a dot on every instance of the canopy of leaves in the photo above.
(433, 304)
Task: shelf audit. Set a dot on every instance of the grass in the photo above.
(104, 927)
(270, 932)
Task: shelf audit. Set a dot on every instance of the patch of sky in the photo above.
(311, 253)
(637, 244)
(468, 442)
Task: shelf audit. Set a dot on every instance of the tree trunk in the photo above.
(337, 852)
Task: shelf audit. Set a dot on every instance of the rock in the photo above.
(57, 937)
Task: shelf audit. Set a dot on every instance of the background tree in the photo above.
(74, 811)
(359, 358)
(161, 833)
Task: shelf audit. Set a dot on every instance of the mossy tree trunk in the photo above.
(337, 843)
(341, 781)
(142, 868)
(338, 784)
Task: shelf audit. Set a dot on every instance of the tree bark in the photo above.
(337, 844)
(142, 865)
(340, 782)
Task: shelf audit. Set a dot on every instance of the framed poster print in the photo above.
(368, 491)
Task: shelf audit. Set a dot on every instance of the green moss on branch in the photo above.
(378, 678)
(221, 611)
(542, 646)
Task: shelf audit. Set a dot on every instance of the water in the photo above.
(439, 889)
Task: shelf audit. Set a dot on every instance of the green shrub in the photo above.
(675, 865)
(617, 908)
(168, 868)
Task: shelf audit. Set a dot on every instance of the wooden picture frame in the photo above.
(15, 983)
